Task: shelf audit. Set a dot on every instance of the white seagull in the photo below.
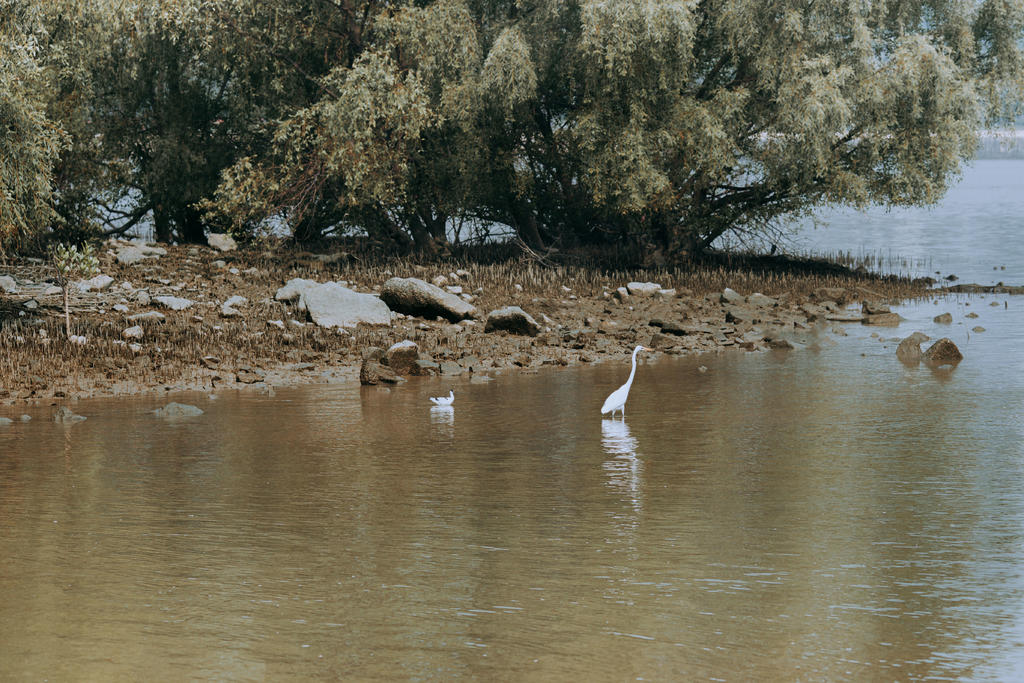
(443, 400)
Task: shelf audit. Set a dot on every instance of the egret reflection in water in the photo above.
(624, 468)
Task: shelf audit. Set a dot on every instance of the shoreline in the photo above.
(136, 343)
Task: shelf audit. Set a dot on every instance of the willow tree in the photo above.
(30, 142)
(697, 118)
(672, 121)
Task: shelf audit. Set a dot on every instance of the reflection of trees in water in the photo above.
(624, 468)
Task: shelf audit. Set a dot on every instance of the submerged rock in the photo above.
(66, 415)
(942, 352)
(178, 410)
(887, 319)
(413, 296)
(943, 319)
(909, 349)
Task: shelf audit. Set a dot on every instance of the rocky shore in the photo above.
(174, 318)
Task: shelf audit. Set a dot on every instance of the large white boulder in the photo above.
(332, 305)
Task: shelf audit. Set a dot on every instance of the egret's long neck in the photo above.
(633, 371)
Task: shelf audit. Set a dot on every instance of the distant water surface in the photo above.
(975, 232)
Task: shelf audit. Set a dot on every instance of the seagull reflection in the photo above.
(442, 415)
(624, 469)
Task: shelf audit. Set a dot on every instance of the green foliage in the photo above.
(669, 122)
(29, 142)
(69, 265)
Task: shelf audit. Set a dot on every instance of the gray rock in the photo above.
(884, 319)
(178, 410)
(130, 253)
(8, 285)
(944, 319)
(294, 289)
(979, 329)
(845, 316)
(135, 332)
(148, 316)
(175, 303)
(221, 241)
(64, 414)
(837, 294)
(372, 372)
(402, 357)
(512, 319)
(642, 288)
(909, 349)
(761, 301)
(413, 296)
(621, 294)
(142, 297)
(4, 421)
(731, 296)
(451, 368)
(31, 305)
(942, 352)
(249, 375)
(425, 366)
(741, 314)
(96, 284)
(332, 305)
(874, 308)
(228, 310)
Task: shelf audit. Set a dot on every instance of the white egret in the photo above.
(617, 399)
(443, 400)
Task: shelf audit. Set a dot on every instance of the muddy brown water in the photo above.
(819, 514)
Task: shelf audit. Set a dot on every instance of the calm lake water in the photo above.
(819, 514)
(975, 233)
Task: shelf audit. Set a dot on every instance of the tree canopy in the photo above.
(566, 122)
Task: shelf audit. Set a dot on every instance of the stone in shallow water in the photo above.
(177, 410)
(943, 352)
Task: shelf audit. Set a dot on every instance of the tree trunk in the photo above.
(190, 226)
(161, 225)
(526, 224)
(67, 309)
